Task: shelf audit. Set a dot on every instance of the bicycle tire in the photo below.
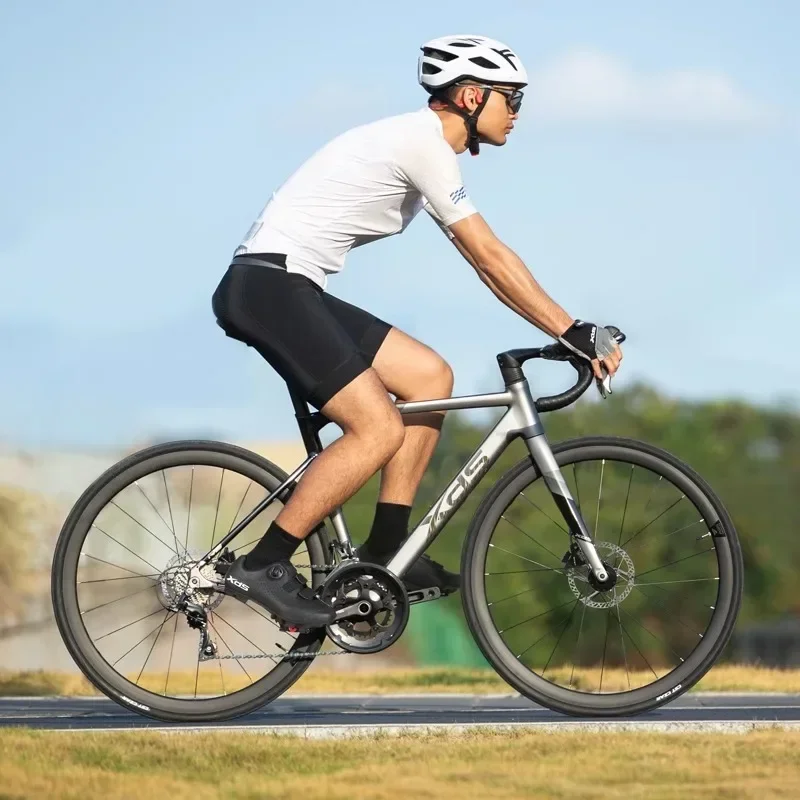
(64, 594)
(570, 701)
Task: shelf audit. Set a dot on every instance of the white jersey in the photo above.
(366, 184)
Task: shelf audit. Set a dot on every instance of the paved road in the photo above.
(348, 715)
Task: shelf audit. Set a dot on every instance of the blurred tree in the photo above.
(15, 511)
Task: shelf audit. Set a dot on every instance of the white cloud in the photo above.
(590, 86)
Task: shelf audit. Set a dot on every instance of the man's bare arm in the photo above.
(507, 276)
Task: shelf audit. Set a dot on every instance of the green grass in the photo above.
(724, 678)
(759, 765)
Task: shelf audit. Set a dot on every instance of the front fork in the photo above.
(543, 457)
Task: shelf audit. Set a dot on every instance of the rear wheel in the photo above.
(579, 648)
(122, 560)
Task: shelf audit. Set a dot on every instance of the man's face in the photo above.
(497, 119)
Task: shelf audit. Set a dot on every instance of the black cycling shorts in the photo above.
(316, 342)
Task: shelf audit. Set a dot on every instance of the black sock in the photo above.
(275, 545)
(389, 529)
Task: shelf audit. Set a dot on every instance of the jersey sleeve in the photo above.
(431, 167)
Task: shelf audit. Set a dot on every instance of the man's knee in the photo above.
(430, 378)
(364, 409)
(433, 377)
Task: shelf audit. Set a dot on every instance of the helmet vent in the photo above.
(440, 55)
(430, 69)
(483, 62)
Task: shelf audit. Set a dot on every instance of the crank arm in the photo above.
(424, 595)
(360, 609)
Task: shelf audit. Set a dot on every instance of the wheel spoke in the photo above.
(520, 571)
(625, 510)
(633, 641)
(687, 580)
(152, 566)
(171, 529)
(524, 496)
(622, 642)
(510, 597)
(677, 561)
(560, 636)
(576, 651)
(143, 527)
(605, 648)
(536, 616)
(653, 520)
(188, 519)
(117, 630)
(599, 496)
(126, 578)
(171, 650)
(169, 506)
(234, 628)
(153, 646)
(669, 611)
(538, 564)
(658, 639)
(124, 597)
(241, 503)
(685, 527)
(222, 639)
(577, 488)
(503, 517)
(216, 513)
(158, 627)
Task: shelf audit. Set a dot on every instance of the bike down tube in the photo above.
(514, 421)
(521, 419)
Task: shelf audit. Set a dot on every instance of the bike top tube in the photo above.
(452, 403)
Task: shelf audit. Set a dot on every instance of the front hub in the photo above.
(609, 583)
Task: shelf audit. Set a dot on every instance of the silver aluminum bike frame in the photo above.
(521, 419)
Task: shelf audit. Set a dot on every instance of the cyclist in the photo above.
(367, 184)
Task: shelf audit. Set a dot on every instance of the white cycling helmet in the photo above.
(449, 59)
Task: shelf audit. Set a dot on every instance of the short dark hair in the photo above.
(443, 95)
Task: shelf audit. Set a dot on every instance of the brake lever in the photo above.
(604, 386)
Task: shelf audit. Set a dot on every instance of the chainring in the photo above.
(386, 596)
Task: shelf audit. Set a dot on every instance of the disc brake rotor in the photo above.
(611, 555)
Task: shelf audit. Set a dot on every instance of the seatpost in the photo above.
(307, 422)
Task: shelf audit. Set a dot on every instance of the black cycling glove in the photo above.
(588, 340)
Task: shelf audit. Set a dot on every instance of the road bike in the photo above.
(601, 576)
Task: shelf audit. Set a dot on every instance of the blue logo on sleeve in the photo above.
(458, 195)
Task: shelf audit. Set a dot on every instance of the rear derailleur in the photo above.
(196, 618)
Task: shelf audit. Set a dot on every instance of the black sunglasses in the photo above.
(513, 96)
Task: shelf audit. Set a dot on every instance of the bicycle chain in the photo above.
(291, 656)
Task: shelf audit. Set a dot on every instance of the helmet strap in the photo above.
(471, 120)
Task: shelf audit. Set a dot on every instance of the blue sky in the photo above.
(652, 182)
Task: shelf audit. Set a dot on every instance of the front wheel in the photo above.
(579, 648)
